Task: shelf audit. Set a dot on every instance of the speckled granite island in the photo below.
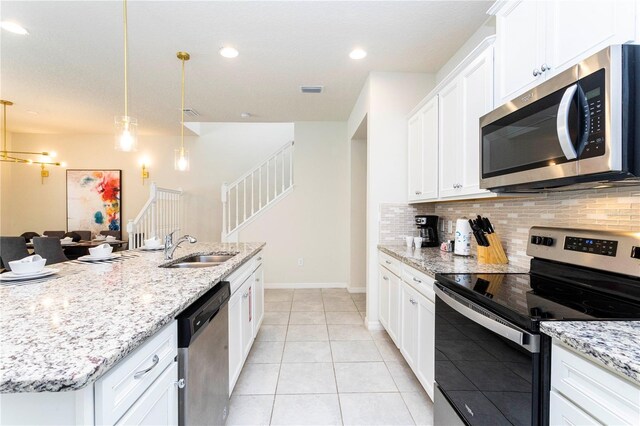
(63, 334)
(432, 260)
(613, 344)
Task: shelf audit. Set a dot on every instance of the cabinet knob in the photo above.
(180, 383)
(245, 295)
(544, 67)
(260, 258)
(413, 302)
(258, 279)
(386, 278)
(536, 72)
(418, 192)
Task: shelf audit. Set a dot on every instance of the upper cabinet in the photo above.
(423, 153)
(539, 39)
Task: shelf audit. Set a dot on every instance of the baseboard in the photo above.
(357, 289)
(373, 325)
(304, 285)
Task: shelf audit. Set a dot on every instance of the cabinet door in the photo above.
(235, 338)
(415, 156)
(425, 368)
(408, 327)
(429, 183)
(247, 316)
(577, 30)
(258, 299)
(520, 47)
(159, 404)
(394, 309)
(563, 413)
(476, 85)
(450, 119)
(383, 280)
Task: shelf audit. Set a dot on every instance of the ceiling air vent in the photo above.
(311, 89)
(190, 112)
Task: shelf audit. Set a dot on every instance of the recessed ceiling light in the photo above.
(357, 54)
(245, 115)
(228, 52)
(13, 27)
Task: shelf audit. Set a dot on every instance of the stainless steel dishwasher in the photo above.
(203, 359)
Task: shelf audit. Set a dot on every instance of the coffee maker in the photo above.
(428, 227)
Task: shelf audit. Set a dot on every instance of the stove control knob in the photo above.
(547, 241)
(635, 252)
(536, 240)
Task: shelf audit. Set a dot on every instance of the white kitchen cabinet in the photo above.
(236, 358)
(258, 299)
(384, 276)
(389, 271)
(394, 309)
(425, 355)
(409, 324)
(247, 315)
(423, 153)
(158, 406)
(539, 39)
(462, 102)
(564, 413)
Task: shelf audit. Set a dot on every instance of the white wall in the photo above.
(358, 216)
(222, 153)
(311, 222)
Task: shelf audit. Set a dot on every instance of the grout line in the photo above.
(275, 392)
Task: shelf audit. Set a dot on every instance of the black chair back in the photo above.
(75, 237)
(56, 234)
(84, 235)
(50, 249)
(29, 235)
(12, 248)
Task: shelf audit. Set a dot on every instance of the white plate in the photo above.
(145, 248)
(11, 276)
(89, 258)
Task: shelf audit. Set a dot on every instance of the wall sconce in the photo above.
(44, 173)
(144, 163)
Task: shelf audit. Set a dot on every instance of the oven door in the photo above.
(486, 370)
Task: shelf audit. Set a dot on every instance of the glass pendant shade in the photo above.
(181, 160)
(126, 133)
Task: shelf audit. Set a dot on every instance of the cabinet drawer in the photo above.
(257, 260)
(602, 394)
(392, 264)
(419, 281)
(120, 387)
(563, 412)
(239, 276)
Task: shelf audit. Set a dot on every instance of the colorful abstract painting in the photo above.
(93, 200)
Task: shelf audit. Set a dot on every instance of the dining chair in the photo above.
(57, 234)
(75, 237)
(84, 235)
(29, 235)
(116, 234)
(50, 249)
(12, 248)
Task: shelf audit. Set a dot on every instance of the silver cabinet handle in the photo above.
(387, 262)
(180, 383)
(417, 280)
(386, 278)
(155, 360)
(245, 295)
(418, 192)
(413, 302)
(257, 279)
(536, 72)
(260, 258)
(544, 67)
(562, 123)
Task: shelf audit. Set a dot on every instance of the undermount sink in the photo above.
(202, 261)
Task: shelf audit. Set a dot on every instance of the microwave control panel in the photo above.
(593, 86)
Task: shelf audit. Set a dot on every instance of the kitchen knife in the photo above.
(487, 225)
(490, 225)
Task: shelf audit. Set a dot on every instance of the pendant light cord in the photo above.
(182, 111)
(4, 130)
(126, 83)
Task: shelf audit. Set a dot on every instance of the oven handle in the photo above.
(562, 123)
(490, 321)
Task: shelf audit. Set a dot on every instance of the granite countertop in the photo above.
(65, 333)
(432, 260)
(613, 344)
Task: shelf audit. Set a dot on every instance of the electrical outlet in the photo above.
(450, 226)
(300, 261)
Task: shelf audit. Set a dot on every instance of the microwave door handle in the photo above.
(562, 124)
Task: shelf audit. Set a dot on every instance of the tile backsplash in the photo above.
(612, 208)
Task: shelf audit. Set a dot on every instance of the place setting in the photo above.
(27, 270)
(152, 244)
(103, 253)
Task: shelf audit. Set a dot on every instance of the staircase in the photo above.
(256, 191)
(162, 214)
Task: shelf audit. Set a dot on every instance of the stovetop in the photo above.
(526, 299)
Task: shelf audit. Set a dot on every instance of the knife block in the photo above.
(494, 254)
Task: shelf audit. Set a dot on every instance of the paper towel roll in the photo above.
(463, 237)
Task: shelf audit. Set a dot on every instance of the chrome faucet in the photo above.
(170, 247)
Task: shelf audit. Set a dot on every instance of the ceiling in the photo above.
(66, 76)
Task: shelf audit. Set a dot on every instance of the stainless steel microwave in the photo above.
(581, 126)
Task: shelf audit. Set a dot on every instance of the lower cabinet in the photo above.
(389, 305)
(383, 309)
(258, 298)
(409, 325)
(235, 338)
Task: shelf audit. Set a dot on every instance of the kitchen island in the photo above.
(65, 333)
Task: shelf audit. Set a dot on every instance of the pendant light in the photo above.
(126, 126)
(20, 157)
(181, 159)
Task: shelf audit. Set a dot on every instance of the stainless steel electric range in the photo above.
(492, 364)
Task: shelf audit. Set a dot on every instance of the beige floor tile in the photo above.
(340, 306)
(374, 409)
(348, 332)
(334, 291)
(352, 318)
(309, 317)
(337, 297)
(306, 378)
(278, 295)
(364, 377)
(356, 351)
(361, 305)
(307, 291)
(379, 335)
(307, 333)
(298, 352)
(249, 410)
(388, 350)
(276, 318)
(307, 297)
(358, 296)
(266, 353)
(257, 379)
(301, 306)
(323, 409)
(272, 333)
(404, 378)
(277, 306)
(420, 407)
